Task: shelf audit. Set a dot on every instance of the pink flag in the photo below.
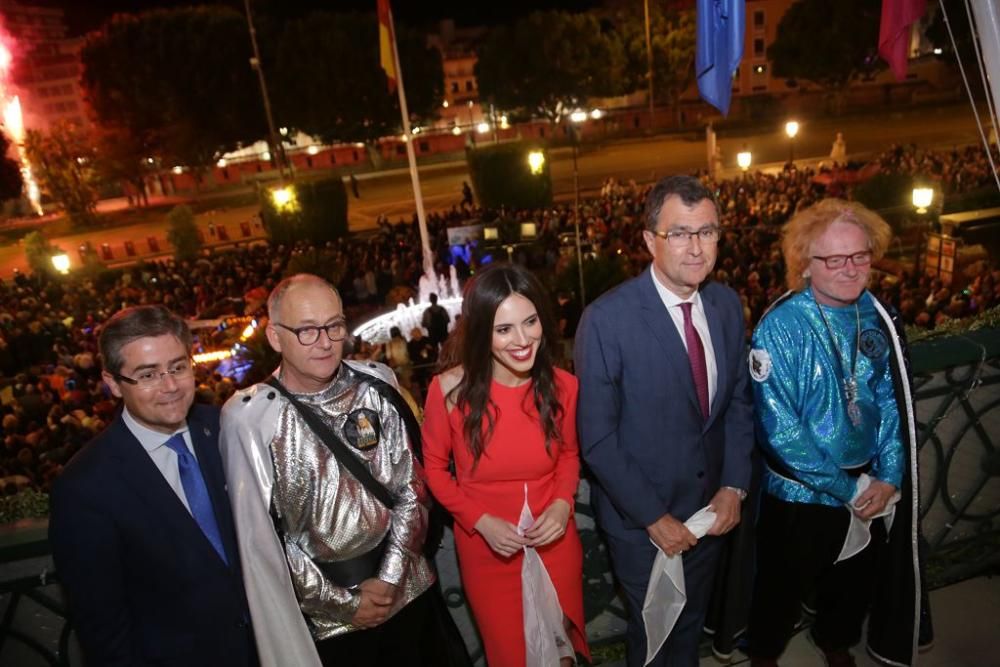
(894, 32)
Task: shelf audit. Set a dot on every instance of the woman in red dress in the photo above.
(507, 416)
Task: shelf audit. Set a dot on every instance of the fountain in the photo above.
(407, 316)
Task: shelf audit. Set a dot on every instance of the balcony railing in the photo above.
(957, 395)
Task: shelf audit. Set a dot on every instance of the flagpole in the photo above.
(411, 156)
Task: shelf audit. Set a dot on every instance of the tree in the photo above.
(828, 43)
(328, 81)
(549, 63)
(178, 81)
(122, 156)
(672, 33)
(64, 163)
(183, 233)
(11, 183)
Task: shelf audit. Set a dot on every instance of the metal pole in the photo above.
(576, 221)
(418, 198)
(649, 59)
(279, 150)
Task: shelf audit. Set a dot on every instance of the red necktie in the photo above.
(696, 354)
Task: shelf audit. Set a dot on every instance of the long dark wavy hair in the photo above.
(473, 342)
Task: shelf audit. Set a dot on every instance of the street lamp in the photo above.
(284, 199)
(791, 129)
(536, 161)
(743, 159)
(922, 199)
(60, 263)
(272, 137)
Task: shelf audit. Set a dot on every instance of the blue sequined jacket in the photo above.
(801, 412)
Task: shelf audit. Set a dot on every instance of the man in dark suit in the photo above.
(664, 412)
(140, 528)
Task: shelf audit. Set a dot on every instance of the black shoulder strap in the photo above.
(337, 447)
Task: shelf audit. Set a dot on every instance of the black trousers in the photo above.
(797, 544)
(413, 637)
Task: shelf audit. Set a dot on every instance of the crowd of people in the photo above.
(53, 399)
(956, 171)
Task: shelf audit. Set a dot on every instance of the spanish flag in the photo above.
(386, 43)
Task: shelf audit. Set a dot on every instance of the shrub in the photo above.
(317, 212)
(182, 232)
(501, 176)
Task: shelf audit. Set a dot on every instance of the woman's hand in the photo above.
(550, 524)
(500, 535)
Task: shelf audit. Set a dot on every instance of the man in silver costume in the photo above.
(306, 525)
(838, 524)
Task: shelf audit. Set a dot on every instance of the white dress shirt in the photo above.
(672, 303)
(163, 457)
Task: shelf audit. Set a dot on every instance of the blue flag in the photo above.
(721, 24)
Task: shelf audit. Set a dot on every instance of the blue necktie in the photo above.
(196, 493)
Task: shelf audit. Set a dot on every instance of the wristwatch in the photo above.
(740, 492)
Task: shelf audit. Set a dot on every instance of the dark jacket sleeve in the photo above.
(88, 553)
(598, 363)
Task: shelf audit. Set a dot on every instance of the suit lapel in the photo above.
(663, 329)
(142, 476)
(714, 317)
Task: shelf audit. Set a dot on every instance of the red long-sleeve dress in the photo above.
(513, 457)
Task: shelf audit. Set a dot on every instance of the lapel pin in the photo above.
(207, 432)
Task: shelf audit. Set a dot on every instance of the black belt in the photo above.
(777, 466)
(351, 572)
(857, 471)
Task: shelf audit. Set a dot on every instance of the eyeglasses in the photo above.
(336, 332)
(840, 261)
(681, 238)
(148, 378)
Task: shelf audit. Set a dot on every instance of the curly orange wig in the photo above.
(799, 233)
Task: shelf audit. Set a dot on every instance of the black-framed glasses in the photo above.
(863, 258)
(150, 377)
(681, 238)
(336, 332)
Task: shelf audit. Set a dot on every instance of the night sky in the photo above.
(84, 15)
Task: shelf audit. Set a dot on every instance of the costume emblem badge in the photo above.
(362, 428)
(760, 365)
(873, 343)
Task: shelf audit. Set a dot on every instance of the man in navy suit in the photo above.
(664, 412)
(140, 526)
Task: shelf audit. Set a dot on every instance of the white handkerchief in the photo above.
(665, 593)
(859, 530)
(544, 634)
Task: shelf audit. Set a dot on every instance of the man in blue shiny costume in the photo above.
(833, 418)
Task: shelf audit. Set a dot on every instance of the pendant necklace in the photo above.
(850, 382)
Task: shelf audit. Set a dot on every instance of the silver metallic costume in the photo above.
(280, 472)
